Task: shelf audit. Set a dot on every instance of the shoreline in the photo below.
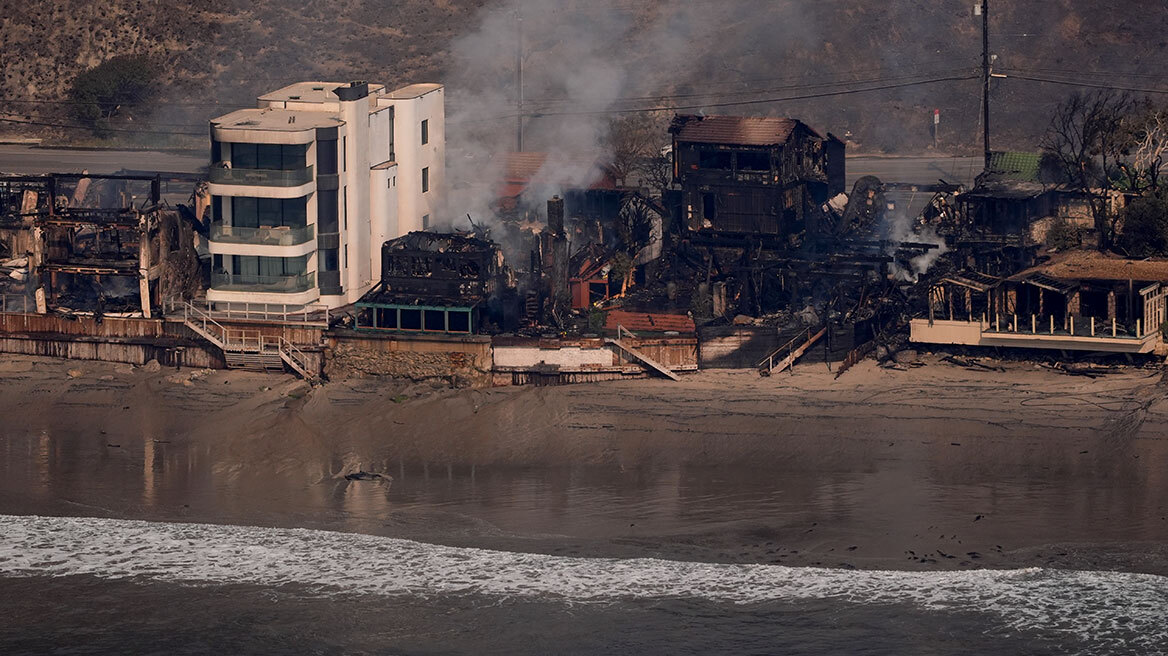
(1025, 468)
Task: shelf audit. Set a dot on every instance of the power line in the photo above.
(747, 92)
(738, 103)
(1085, 84)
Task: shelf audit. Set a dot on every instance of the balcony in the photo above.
(262, 236)
(242, 282)
(261, 177)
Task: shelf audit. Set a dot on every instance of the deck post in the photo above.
(1072, 320)
(1092, 326)
(1113, 325)
(1052, 324)
(1034, 324)
(1015, 323)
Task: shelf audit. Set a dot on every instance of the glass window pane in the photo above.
(269, 156)
(243, 156)
(244, 213)
(326, 211)
(294, 156)
(295, 212)
(326, 157)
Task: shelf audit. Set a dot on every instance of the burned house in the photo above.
(437, 283)
(1081, 300)
(101, 243)
(753, 175)
(588, 186)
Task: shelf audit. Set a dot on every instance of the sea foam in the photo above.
(1103, 610)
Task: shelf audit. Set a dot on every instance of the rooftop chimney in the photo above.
(555, 213)
(355, 91)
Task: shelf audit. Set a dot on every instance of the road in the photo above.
(32, 160)
(915, 170)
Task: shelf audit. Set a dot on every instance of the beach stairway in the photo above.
(247, 349)
(638, 355)
(804, 340)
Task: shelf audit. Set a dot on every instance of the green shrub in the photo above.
(116, 87)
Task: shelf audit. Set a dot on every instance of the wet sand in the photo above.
(938, 467)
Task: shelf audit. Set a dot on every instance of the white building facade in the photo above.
(307, 187)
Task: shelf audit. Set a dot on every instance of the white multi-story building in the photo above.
(306, 188)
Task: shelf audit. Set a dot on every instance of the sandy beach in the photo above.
(939, 467)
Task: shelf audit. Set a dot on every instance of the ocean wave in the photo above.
(1103, 610)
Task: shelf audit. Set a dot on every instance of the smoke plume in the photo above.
(584, 62)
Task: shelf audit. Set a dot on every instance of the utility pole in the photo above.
(985, 74)
(518, 82)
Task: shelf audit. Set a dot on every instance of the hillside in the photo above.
(588, 55)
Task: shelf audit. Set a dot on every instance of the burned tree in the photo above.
(1086, 141)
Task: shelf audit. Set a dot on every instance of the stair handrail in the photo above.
(205, 319)
(769, 360)
(294, 353)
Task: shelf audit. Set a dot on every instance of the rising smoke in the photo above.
(583, 61)
(897, 228)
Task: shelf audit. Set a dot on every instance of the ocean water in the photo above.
(166, 587)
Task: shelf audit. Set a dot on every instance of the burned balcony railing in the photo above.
(242, 282)
(261, 177)
(264, 235)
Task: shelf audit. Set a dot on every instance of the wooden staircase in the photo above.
(768, 365)
(248, 349)
(650, 362)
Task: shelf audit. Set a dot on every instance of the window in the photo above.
(256, 212)
(425, 179)
(709, 206)
(425, 132)
(263, 268)
(328, 259)
(344, 153)
(754, 161)
(326, 211)
(387, 318)
(411, 319)
(435, 320)
(714, 159)
(326, 157)
(346, 256)
(345, 206)
(270, 157)
(425, 221)
(458, 322)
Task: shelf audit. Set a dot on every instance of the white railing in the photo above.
(295, 357)
(228, 339)
(1069, 325)
(312, 314)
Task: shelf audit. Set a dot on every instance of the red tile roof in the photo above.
(523, 168)
(737, 130)
(649, 322)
